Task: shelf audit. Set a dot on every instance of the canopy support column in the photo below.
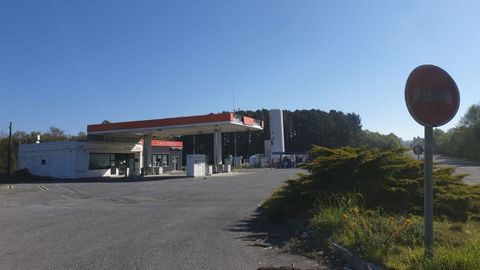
(217, 148)
(147, 154)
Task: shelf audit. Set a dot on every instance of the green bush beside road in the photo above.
(371, 201)
(382, 178)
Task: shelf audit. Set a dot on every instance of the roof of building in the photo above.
(189, 125)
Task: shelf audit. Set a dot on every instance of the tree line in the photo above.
(462, 141)
(302, 128)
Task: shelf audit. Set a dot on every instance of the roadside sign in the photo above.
(431, 95)
(432, 99)
(418, 149)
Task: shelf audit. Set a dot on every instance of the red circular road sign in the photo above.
(431, 95)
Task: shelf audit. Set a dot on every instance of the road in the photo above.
(471, 168)
(157, 223)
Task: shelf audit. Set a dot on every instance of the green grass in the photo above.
(394, 241)
(366, 232)
(465, 257)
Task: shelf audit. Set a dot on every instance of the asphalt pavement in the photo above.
(470, 168)
(152, 223)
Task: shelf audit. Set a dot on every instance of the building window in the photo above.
(161, 160)
(101, 161)
(43, 162)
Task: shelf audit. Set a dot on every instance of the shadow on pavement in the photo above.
(46, 180)
(261, 232)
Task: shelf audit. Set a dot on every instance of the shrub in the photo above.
(388, 179)
(371, 200)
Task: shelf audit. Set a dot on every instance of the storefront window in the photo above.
(161, 160)
(101, 161)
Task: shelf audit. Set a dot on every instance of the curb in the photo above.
(353, 260)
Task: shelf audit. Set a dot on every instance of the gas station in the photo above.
(131, 145)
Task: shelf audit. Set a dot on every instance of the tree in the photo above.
(81, 136)
(462, 141)
(54, 134)
(376, 140)
(471, 116)
(417, 141)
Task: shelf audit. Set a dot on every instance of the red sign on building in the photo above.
(177, 144)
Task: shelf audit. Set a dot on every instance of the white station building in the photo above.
(129, 148)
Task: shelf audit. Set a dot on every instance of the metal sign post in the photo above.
(432, 99)
(428, 193)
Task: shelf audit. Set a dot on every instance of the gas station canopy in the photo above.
(190, 125)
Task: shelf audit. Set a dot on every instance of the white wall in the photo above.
(59, 157)
(70, 159)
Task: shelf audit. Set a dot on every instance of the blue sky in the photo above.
(73, 63)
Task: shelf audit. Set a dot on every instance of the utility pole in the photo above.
(235, 133)
(9, 153)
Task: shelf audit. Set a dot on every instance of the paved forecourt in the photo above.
(164, 223)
